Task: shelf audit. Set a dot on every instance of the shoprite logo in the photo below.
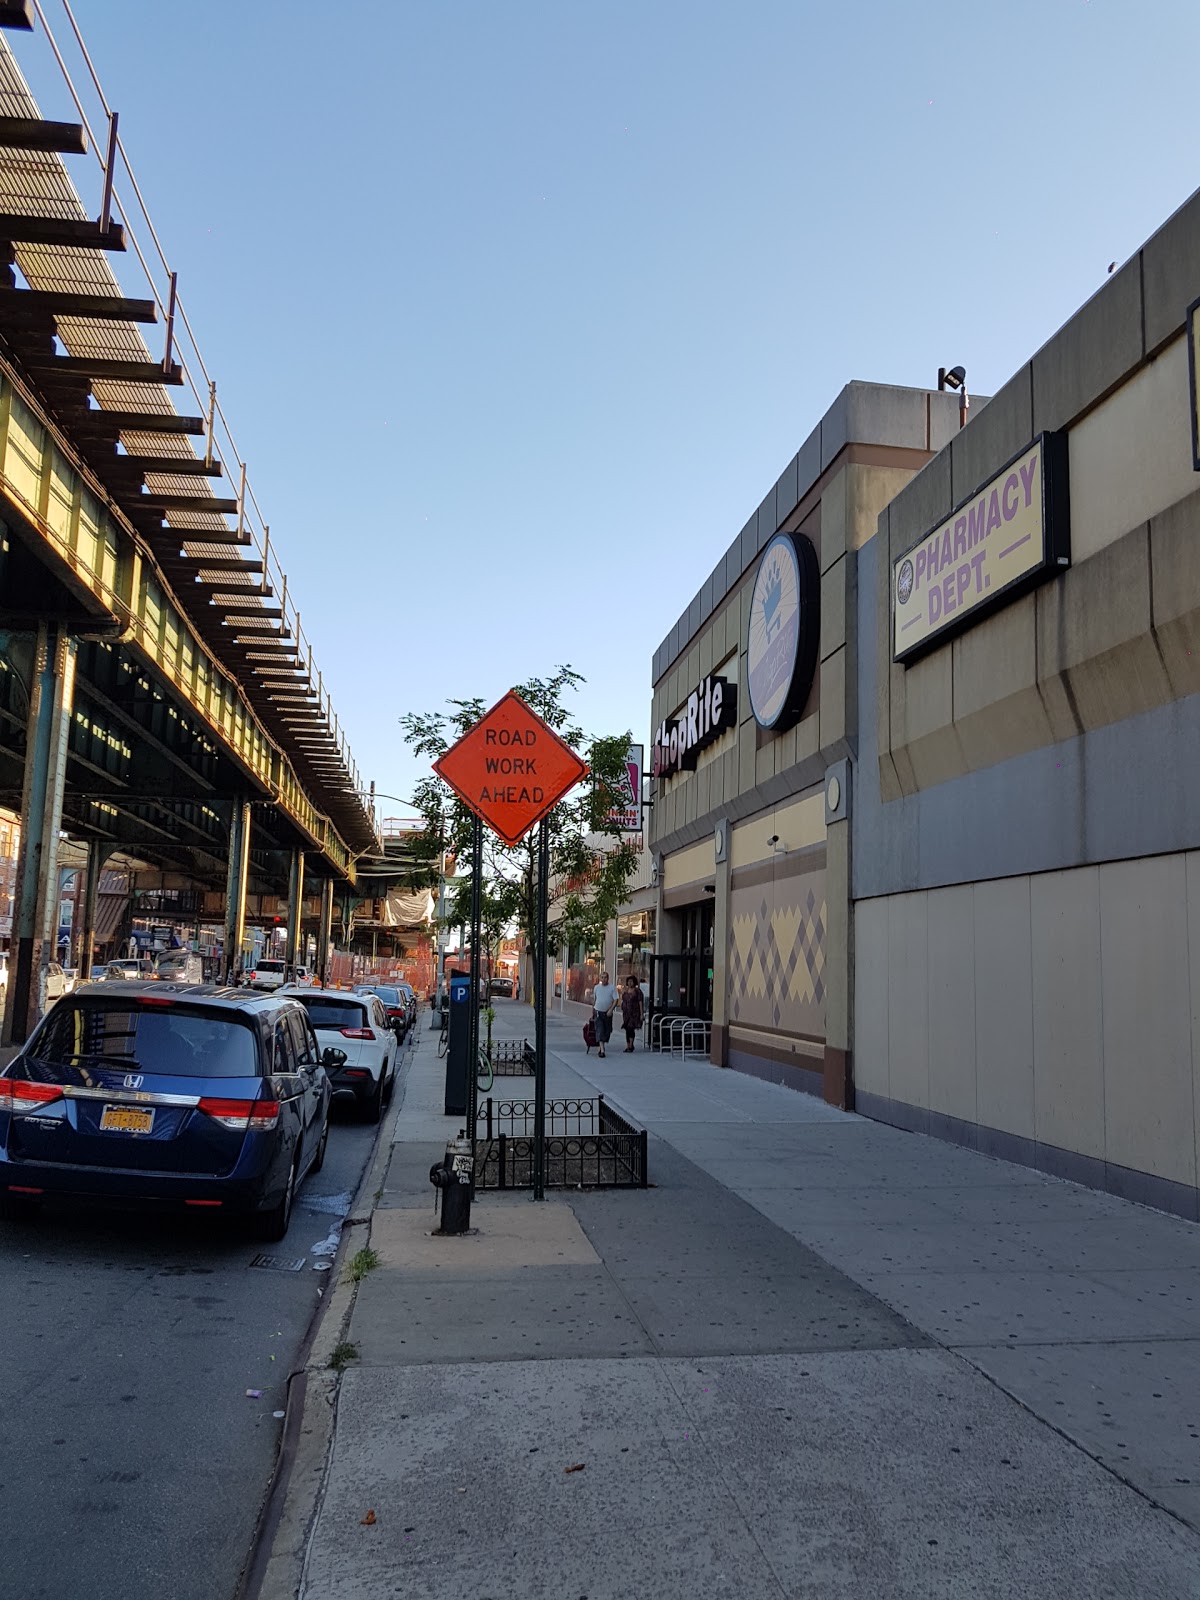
(704, 717)
(785, 620)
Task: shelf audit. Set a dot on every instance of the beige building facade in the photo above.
(752, 862)
(962, 891)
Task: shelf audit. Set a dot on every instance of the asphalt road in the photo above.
(132, 1461)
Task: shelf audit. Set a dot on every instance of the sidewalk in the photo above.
(821, 1357)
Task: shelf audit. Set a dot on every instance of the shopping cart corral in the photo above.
(679, 1035)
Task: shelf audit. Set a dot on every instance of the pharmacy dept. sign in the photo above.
(785, 631)
(1012, 533)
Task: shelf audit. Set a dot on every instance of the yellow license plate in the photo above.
(126, 1119)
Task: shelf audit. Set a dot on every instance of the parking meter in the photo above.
(459, 1044)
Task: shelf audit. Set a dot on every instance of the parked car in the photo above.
(395, 1003)
(129, 970)
(57, 983)
(267, 974)
(156, 1095)
(410, 998)
(358, 1025)
(181, 966)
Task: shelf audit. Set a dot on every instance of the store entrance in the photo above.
(681, 984)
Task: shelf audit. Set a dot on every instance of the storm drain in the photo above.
(278, 1263)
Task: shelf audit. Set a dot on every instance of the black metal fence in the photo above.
(512, 1058)
(587, 1145)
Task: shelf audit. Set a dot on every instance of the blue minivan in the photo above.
(156, 1094)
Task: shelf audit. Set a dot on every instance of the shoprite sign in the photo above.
(1010, 534)
(706, 713)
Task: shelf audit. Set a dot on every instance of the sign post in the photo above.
(473, 1015)
(510, 770)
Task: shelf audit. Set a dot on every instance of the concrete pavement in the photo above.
(820, 1357)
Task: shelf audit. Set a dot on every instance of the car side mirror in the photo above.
(332, 1059)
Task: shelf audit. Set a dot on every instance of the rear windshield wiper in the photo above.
(128, 1062)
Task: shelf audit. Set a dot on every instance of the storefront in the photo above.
(953, 866)
(753, 688)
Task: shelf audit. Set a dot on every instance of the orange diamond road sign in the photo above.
(511, 768)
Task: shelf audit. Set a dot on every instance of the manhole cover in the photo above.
(278, 1263)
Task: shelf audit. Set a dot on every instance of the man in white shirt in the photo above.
(604, 999)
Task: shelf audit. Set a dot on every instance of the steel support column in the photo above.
(98, 853)
(324, 931)
(295, 913)
(35, 897)
(235, 888)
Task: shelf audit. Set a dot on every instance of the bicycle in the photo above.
(484, 1076)
(444, 1038)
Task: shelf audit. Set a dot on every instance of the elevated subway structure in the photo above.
(157, 694)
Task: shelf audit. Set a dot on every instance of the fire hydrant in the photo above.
(453, 1176)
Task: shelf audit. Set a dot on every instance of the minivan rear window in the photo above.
(269, 966)
(172, 1041)
(326, 1012)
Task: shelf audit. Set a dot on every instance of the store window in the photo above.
(635, 945)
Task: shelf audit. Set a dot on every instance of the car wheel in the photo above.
(273, 1224)
(373, 1109)
(391, 1086)
(319, 1158)
(18, 1208)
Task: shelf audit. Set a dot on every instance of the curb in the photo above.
(274, 1568)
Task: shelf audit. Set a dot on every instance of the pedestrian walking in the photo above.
(632, 1010)
(604, 1003)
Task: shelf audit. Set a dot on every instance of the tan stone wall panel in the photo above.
(1131, 457)
(872, 966)
(998, 711)
(1094, 627)
(833, 520)
(1192, 889)
(868, 490)
(1004, 1006)
(908, 999)
(833, 608)
(1068, 1037)
(1148, 1084)
(1175, 592)
(952, 1088)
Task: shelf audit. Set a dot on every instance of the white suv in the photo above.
(357, 1024)
(267, 973)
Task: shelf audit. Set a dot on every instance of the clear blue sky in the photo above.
(517, 309)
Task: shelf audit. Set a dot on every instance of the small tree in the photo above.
(509, 879)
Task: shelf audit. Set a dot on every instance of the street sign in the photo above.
(511, 768)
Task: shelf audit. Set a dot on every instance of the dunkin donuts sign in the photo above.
(1010, 534)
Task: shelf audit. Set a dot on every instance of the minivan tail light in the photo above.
(358, 1033)
(20, 1094)
(242, 1116)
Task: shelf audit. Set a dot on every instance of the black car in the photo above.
(395, 1002)
(156, 1094)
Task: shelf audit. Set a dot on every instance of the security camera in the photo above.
(773, 840)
